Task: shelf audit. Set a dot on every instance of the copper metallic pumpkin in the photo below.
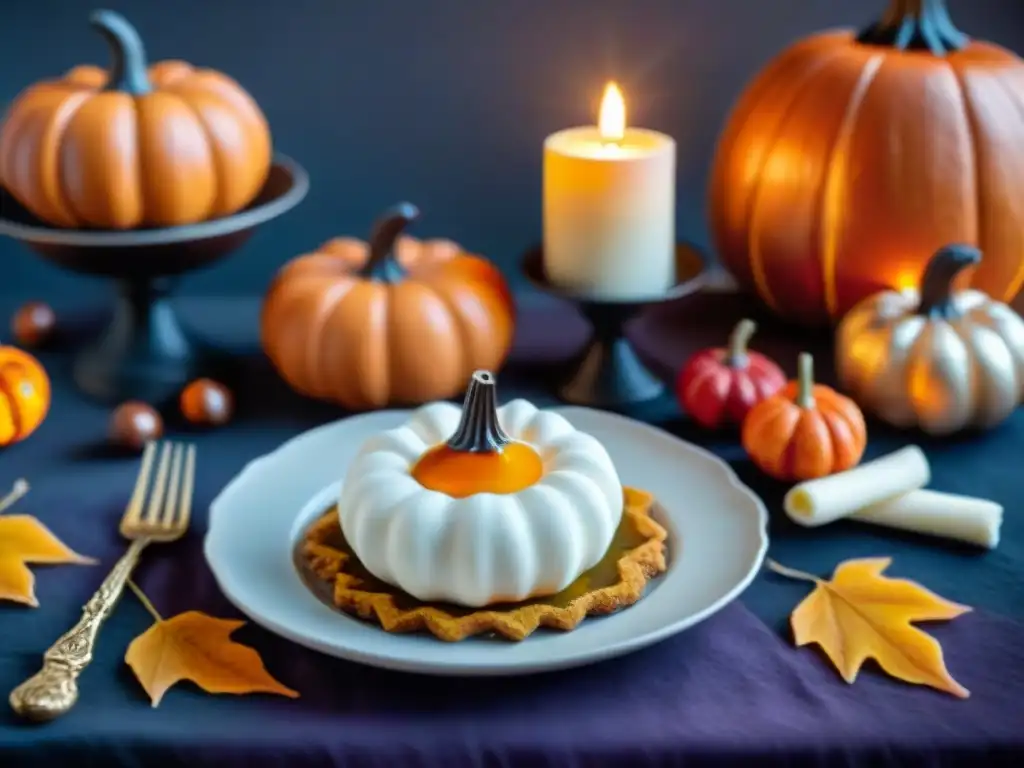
(395, 320)
(853, 157)
(133, 147)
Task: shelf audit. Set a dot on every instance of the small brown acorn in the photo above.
(134, 423)
(207, 402)
(33, 324)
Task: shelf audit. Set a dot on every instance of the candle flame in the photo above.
(611, 122)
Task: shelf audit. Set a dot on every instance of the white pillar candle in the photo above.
(609, 207)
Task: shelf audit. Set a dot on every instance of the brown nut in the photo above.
(207, 402)
(33, 324)
(134, 423)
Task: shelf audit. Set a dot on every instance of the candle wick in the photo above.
(611, 147)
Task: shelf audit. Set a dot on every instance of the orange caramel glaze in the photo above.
(462, 473)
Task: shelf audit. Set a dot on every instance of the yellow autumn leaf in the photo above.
(197, 647)
(24, 541)
(860, 614)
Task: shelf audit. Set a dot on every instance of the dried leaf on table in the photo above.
(24, 541)
(861, 614)
(197, 647)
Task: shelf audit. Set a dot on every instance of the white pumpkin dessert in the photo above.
(935, 358)
(481, 505)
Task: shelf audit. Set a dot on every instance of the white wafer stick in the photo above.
(820, 501)
(962, 518)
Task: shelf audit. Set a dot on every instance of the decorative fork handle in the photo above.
(53, 690)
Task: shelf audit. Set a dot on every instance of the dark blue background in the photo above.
(443, 102)
(446, 102)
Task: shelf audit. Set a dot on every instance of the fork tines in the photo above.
(163, 501)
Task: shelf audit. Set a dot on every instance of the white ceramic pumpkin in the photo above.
(934, 358)
(481, 505)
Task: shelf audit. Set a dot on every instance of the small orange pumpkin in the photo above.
(134, 148)
(24, 395)
(393, 321)
(805, 431)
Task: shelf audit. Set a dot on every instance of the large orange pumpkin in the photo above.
(853, 157)
(134, 148)
(24, 395)
(392, 321)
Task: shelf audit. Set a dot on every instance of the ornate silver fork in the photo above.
(158, 511)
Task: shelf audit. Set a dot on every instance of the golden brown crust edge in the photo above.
(636, 567)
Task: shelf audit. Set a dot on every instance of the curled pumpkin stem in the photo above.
(937, 281)
(382, 264)
(128, 54)
(739, 341)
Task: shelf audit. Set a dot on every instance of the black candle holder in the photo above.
(607, 373)
(144, 353)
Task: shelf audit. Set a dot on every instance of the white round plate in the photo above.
(717, 540)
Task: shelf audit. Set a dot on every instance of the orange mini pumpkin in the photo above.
(134, 148)
(24, 395)
(393, 321)
(855, 155)
(805, 431)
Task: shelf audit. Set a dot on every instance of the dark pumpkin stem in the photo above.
(805, 381)
(916, 25)
(739, 340)
(479, 430)
(937, 281)
(128, 54)
(382, 263)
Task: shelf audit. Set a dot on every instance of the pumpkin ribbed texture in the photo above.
(365, 343)
(158, 147)
(844, 166)
(805, 431)
(24, 395)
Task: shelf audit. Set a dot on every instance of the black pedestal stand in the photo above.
(144, 353)
(607, 373)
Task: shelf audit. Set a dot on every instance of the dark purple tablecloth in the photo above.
(732, 690)
(729, 691)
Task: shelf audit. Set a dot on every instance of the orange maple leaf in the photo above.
(861, 614)
(25, 540)
(197, 647)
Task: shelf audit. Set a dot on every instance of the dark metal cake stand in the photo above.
(607, 373)
(144, 353)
